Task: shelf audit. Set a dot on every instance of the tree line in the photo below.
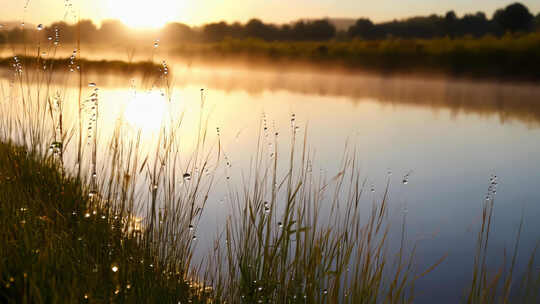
(513, 18)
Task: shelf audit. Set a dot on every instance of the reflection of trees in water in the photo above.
(507, 101)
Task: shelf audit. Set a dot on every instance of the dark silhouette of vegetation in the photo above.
(513, 18)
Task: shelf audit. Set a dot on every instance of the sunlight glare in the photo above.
(146, 111)
(145, 13)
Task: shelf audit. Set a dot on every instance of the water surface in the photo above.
(449, 135)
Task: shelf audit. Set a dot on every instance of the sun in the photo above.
(146, 13)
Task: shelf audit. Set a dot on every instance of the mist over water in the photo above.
(446, 137)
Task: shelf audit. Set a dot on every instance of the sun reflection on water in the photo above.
(146, 111)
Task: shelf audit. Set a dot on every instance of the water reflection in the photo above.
(506, 101)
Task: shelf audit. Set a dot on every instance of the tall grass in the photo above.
(113, 179)
(302, 239)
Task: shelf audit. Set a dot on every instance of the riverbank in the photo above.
(59, 247)
(511, 57)
(19, 62)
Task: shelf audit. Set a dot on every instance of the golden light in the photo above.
(146, 111)
(146, 13)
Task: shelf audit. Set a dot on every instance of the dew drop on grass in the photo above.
(186, 176)
(190, 227)
(92, 84)
(280, 224)
(40, 27)
(114, 268)
(194, 237)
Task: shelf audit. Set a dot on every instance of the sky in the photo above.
(155, 13)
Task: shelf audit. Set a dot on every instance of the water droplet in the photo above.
(86, 296)
(114, 268)
(40, 27)
(186, 176)
(194, 237)
(325, 291)
(280, 224)
(92, 84)
(190, 227)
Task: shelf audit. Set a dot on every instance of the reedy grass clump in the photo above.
(128, 205)
(301, 238)
(59, 246)
(501, 286)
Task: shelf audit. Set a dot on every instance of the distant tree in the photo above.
(537, 22)
(255, 28)
(216, 31)
(322, 30)
(450, 26)
(88, 30)
(66, 32)
(514, 18)
(363, 28)
(177, 32)
(237, 31)
(475, 24)
(16, 35)
(317, 30)
(112, 30)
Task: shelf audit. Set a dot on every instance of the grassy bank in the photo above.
(509, 57)
(58, 247)
(147, 68)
